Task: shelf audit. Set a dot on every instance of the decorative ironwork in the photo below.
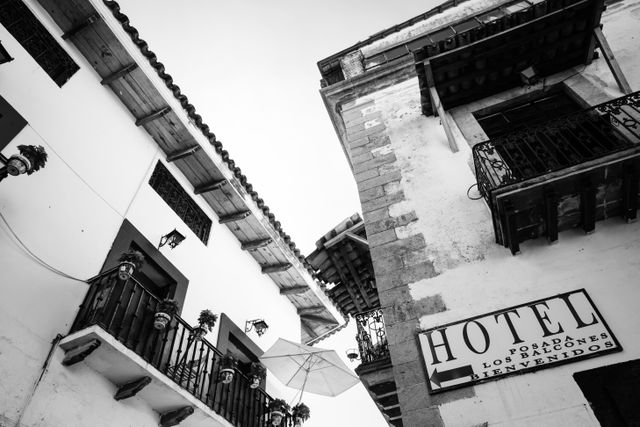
(125, 309)
(179, 200)
(23, 25)
(372, 336)
(558, 144)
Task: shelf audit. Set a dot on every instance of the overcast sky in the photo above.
(250, 69)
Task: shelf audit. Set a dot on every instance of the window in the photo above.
(177, 198)
(36, 40)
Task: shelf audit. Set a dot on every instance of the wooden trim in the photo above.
(211, 186)
(153, 116)
(314, 318)
(255, 244)
(118, 74)
(310, 310)
(236, 216)
(91, 19)
(436, 104)
(357, 239)
(180, 154)
(338, 238)
(294, 290)
(623, 84)
(276, 268)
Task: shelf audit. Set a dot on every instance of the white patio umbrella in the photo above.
(307, 368)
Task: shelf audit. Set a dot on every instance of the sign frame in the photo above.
(616, 349)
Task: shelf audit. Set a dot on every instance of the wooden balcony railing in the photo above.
(372, 336)
(125, 309)
(532, 179)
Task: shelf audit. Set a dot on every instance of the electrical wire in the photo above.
(35, 257)
(469, 189)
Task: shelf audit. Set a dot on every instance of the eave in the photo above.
(125, 64)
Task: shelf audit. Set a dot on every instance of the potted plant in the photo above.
(300, 413)
(30, 159)
(278, 408)
(167, 308)
(257, 373)
(228, 365)
(130, 261)
(206, 322)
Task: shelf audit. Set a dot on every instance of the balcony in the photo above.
(372, 337)
(175, 374)
(566, 173)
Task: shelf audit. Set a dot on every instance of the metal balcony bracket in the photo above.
(132, 388)
(551, 214)
(210, 186)
(118, 74)
(294, 290)
(588, 207)
(81, 26)
(180, 154)
(630, 192)
(173, 418)
(237, 216)
(153, 116)
(276, 268)
(79, 353)
(256, 244)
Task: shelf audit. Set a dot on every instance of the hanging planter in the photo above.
(277, 410)
(167, 308)
(300, 413)
(130, 261)
(30, 159)
(257, 374)
(206, 321)
(228, 365)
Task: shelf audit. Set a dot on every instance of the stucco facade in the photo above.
(433, 248)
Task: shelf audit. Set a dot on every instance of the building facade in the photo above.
(495, 149)
(129, 160)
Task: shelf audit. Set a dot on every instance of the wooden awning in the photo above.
(494, 51)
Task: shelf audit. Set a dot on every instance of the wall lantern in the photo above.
(352, 355)
(259, 325)
(4, 55)
(173, 239)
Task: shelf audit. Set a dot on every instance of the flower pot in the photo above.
(199, 332)
(276, 418)
(298, 421)
(125, 270)
(161, 320)
(18, 165)
(255, 382)
(226, 376)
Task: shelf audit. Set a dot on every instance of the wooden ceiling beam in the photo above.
(310, 310)
(339, 237)
(294, 290)
(210, 186)
(236, 216)
(276, 268)
(118, 74)
(314, 318)
(91, 19)
(153, 116)
(345, 281)
(180, 154)
(357, 239)
(356, 276)
(256, 244)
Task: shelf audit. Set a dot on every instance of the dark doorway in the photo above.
(613, 393)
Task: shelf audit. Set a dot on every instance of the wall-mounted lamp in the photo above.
(258, 324)
(30, 159)
(352, 355)
(173, 239)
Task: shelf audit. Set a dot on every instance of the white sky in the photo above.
(249, 67)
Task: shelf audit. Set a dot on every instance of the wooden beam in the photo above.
(345, 281)
(153, 116)
(623, 84)
(118, 74)
(180, 154)
(314, 318)
(303, 311)
(236, 216)
(172, 418)
(79, 353)
(294, 290)
(132, 388)
(436, 104)
(339, 237)
(256, 244)
(210, 186)
(81, 26)
(357, 239)
(276, 268)
(355, 275)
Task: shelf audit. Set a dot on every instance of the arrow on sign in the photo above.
(451, 374)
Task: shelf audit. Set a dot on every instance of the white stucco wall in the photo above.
(69, 213)
(474, 275)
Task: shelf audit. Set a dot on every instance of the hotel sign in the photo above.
(536, 335)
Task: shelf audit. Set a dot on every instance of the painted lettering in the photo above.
(507, 318)
(543, 319)
(445, 344)
(485, 336)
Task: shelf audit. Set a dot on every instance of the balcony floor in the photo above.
(120, 365)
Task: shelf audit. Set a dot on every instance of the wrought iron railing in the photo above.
(372, 336)
(558, 144)
(125, 309)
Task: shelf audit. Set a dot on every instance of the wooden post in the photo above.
(436, 105)
(611, 61)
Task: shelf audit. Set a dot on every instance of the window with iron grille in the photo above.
(179, 200)
(23, 25)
